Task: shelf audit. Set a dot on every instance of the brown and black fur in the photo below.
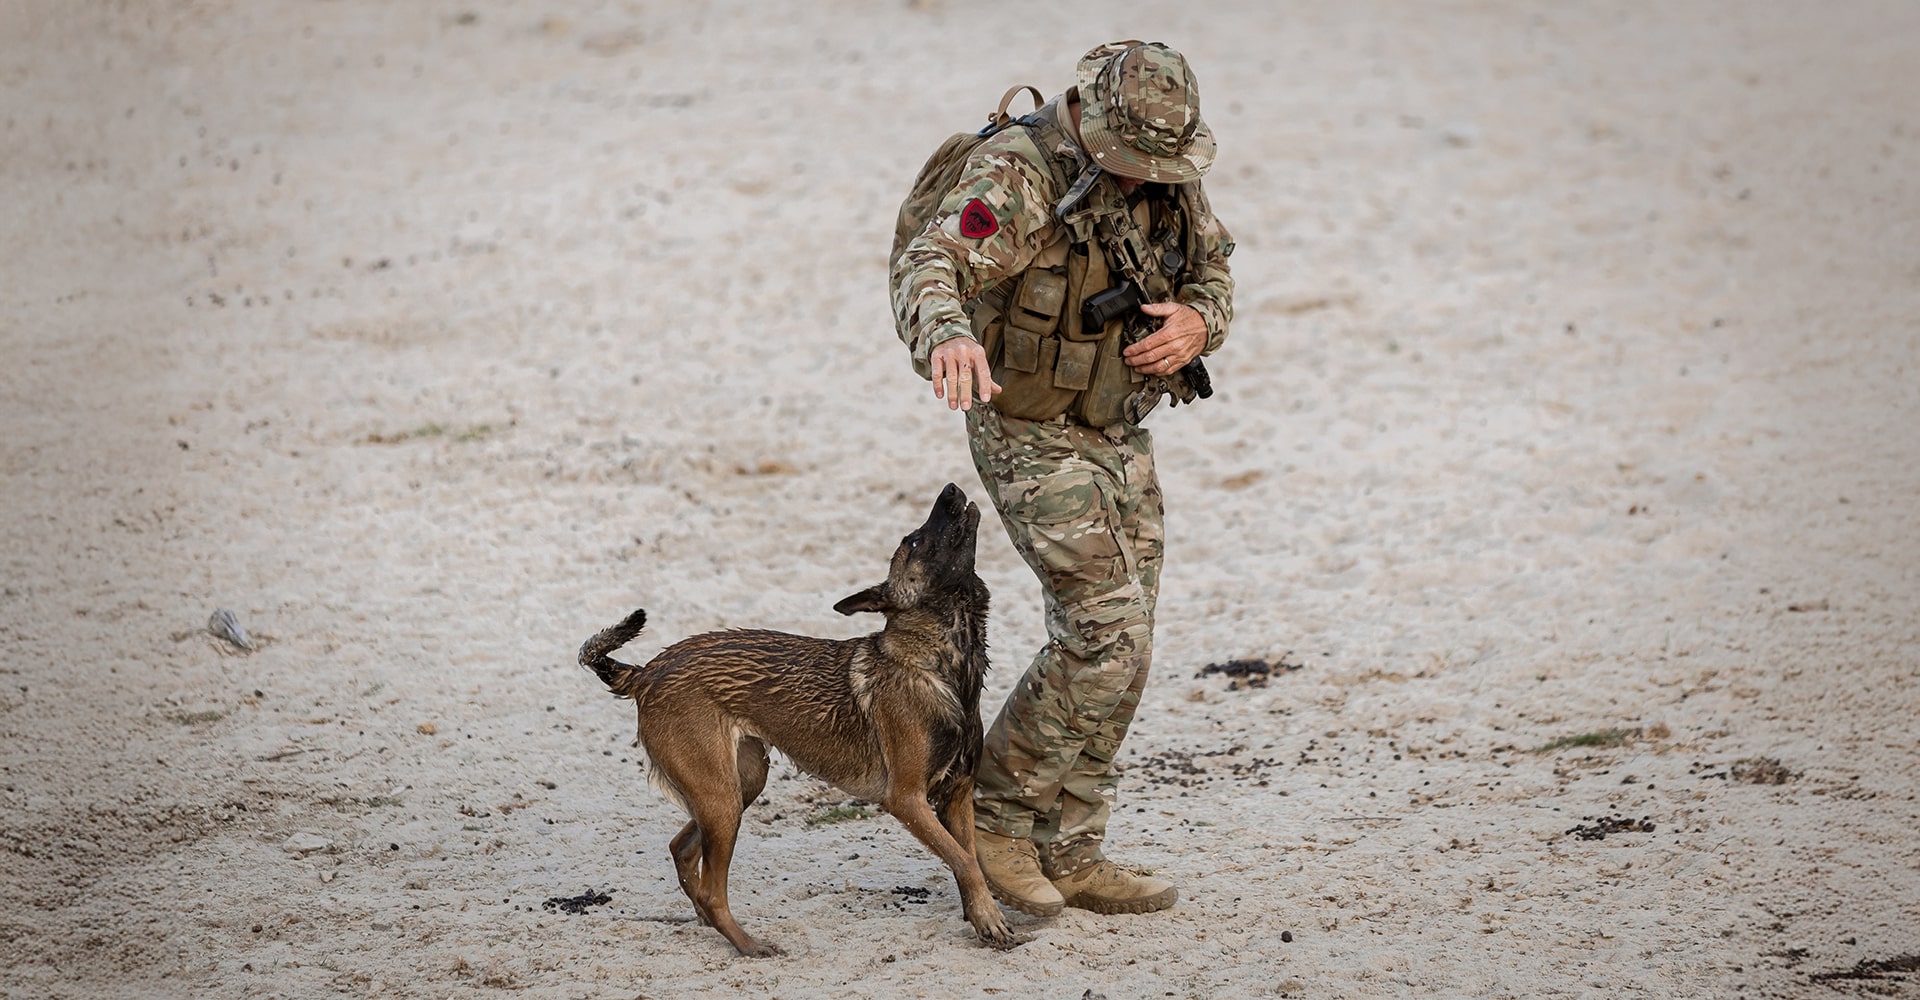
(893, 717)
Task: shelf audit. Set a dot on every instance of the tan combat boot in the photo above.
(1105, 887)
(1012, 868)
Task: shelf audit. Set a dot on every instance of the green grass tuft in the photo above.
(473, 432)
(1604, 739)
(838, 814)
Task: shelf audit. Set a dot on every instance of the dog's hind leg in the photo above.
(687, 845)
(716, 769)
(700, 762)
(719, 821)
(686, 864)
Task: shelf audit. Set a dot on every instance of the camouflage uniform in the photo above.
(1081, 504)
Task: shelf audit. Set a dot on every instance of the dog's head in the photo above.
(936, 557)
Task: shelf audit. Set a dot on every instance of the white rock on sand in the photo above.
(305, 843)
(1565, 441)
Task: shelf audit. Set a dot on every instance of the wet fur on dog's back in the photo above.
(824, 689)
(892, 716)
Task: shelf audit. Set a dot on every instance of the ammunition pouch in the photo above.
(1038, 380)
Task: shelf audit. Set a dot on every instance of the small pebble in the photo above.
(305, 843)
(226, 626)
(1286, 936)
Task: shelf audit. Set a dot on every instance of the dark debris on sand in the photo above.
(1598, 828)
(1249, 673)
(1897, 970)
(1762, 771)
(578, 904)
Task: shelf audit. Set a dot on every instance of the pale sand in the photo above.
(1576, 350)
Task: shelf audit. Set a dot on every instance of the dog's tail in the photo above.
(593, 653)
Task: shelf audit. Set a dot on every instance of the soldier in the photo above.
(1008, 296)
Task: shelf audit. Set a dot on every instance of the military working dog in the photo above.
(893, 717)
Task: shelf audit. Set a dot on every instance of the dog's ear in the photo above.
(870, 599)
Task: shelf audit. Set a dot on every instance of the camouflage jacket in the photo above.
(941, 270)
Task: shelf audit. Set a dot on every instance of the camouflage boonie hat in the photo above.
(1140, 113)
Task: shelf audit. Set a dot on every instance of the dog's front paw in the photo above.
(759, 949)
(996, 933)
(1005, 941)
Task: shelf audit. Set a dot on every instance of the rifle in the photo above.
(1123, 301)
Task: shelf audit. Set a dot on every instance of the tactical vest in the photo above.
(1031, 325)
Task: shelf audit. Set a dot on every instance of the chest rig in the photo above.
(1051, 354)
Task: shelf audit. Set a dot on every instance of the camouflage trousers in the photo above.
(1083, 508)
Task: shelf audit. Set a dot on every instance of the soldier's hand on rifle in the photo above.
(960, 370)
(1180, 339)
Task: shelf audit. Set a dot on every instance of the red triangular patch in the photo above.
(977, 221)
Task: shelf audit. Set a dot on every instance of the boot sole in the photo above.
(1145, 904)
(1026, 906)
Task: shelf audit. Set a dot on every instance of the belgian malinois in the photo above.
(893, 717)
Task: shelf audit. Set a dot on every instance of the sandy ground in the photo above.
(1573, 393)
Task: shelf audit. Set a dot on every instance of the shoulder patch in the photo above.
(977, 221)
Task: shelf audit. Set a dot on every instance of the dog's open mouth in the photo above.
(961, 512)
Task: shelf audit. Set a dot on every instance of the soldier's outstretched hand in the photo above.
(960, 371)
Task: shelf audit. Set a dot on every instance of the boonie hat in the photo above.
(1140, 113)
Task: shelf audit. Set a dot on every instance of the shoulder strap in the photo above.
(1075, 177)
